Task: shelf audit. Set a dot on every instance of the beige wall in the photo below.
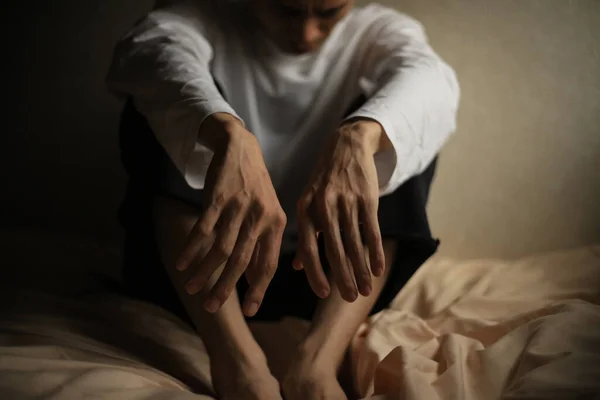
(520, 176)
(522, 173)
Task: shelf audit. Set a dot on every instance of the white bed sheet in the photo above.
(527, 329)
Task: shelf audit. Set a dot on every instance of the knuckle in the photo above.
(350, 198)
(222, 250)
(217, 201)
(244, 258)
(243, 198)
(204, 230)
(330, 195)
(376, 237)
(238, 201)
(280, 219)
(250, 233)
(313, 248)
(267, 272)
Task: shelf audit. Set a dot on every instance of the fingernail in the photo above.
(297, 265)
(191, 288)
(323, 293)
(366, 290)
(212, 305)
(378, 272)
(252, 309)
(352, 297)
(180, 266)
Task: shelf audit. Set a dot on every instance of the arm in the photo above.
(336, 321)
(173, 223)
(238, 366)
(163, 65)
(413, 95)
(395, 135)
(318, 364)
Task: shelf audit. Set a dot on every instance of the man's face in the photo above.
(300, 26)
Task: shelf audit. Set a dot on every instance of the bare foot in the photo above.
(307, 381)
(235, 380)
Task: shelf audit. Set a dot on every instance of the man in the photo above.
(260, 135)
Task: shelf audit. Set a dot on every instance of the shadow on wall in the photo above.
(520, 176)
(59, 146)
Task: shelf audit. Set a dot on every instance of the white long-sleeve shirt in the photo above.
(169, 62)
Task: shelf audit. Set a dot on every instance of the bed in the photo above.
(472, 330)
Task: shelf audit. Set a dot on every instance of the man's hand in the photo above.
(242, 223)
(342, 195)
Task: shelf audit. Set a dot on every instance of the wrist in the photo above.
(218, 130)
(366, 133)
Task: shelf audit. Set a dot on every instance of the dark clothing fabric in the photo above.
(402, 217)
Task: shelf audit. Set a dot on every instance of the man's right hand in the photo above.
(242, 223)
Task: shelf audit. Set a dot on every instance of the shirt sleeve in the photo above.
(411, 92)
(163, 64)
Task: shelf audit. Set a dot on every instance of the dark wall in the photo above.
(58, 148)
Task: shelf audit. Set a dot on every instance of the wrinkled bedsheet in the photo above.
(526, 329)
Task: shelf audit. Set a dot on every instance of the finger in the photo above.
(220, 251)
(307, 254)
(297, 265)
(336, 255)
(251, 271)
(199, 238)
(236, 265)
(354, 247)
(372, 235)
(268, 258)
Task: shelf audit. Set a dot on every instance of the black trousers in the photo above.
(402, 217)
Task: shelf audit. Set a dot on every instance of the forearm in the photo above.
(412, 93)
(368, 131)
(336, 321)
(228, 127)
(163, 66)
(417, 111)
(221, 331)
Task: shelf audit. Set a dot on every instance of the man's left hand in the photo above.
(341, 197)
